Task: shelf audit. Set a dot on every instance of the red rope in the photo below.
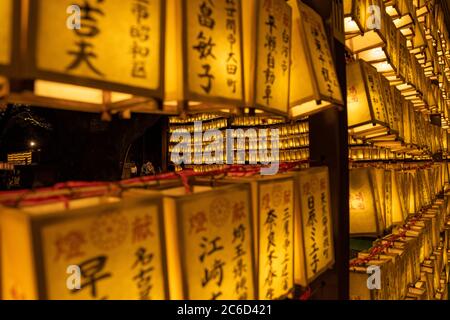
(381, 248)
(34, 197)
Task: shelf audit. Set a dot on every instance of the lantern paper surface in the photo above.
(314, 234)
(118, 247)
(276, 238)
(365, 208)
(6, 18)
(273, 200)
(365, 102)
(371, 17)
(314, 82)
(210, 243)
(273, 55)
(212, 41)
(119, 46)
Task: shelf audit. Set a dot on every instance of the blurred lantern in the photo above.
(355, 12)
(385, 57)
(209, 244)
(314, 85)
(366, 107)
(399, 213)
(422, 8)
(115, 247)
(314, 247)
(404, 19)
(9, 38)
(71, 66)
(365, 210)
(372, 18)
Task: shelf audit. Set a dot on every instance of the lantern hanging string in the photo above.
(64, 192)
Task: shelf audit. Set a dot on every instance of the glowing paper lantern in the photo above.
(7, 8)
(210, 242)
(272, 56)
(398, 203)
(374, 29)
(406, 15)
(359, 279)
(385, 57)
(204, 55)
(314, 248)
(366, 107)
(115, 246)
(365, 206)
(273, 213)
(72, 67)
(355, 17)
(314, 85)
(9, 39)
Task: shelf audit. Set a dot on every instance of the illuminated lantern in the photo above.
(372, 18)
(209, 236)
(367, 112)
(72, 68)
(273, 212)
(9, 20)
(365, 203)
(385, 57)
(267, 54)
(399, 212)
(354, 17)
(359, 279)
(314, 84)
(422, 8)
(105, 245)
(314, 247)
(404, 17)
(204, 56)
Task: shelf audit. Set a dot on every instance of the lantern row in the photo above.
(383, 196)
(380, 115)
(167, 56)
(406, 47)
(243, 238)
(405, 41)
(292, 140)
(413, 260)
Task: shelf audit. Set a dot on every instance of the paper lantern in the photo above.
(366, 215)
(71, 67)
(374, 35)
(314, 85)
(365, 103)
(116, 246)
(355, 12)
(210, 245)
(9, 28)
(385, 58)
(267, 54)
(204, 55)
(274, 215)
(399, 213)
(8, 35)
(314, 246)
(359, 277)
